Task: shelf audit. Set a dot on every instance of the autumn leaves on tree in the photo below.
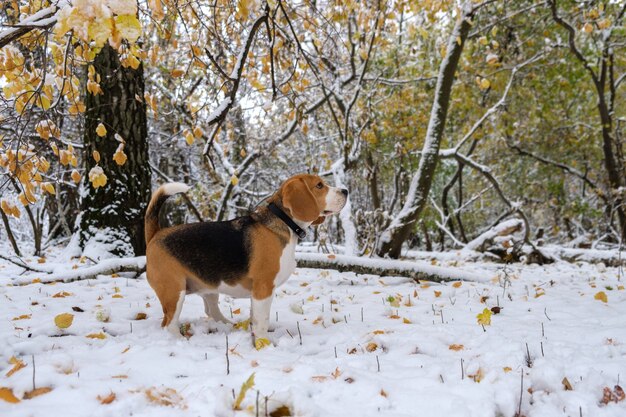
(445, 118)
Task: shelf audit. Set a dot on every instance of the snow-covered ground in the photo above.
(366, 346)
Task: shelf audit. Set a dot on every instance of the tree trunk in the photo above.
(398, 230)
(116, 210)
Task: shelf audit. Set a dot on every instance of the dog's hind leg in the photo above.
(212, 308)
(172, 313)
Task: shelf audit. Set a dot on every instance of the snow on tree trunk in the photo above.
(113, 214)
(390, 243)
(349, 229)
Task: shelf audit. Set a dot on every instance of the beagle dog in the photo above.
(248, 256)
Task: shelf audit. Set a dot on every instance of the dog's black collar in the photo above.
(287, 220)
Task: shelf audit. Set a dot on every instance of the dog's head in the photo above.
(310, 199)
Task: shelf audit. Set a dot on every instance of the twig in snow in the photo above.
(529, 360)
(299, 334)
(545, 311)
(521, 393)
(462, 370)
(24, 265)
(33, 357)
(227, 358)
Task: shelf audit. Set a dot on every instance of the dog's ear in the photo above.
(319, 220)
(300, 201)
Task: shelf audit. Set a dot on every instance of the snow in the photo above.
(582, 339)
(221, 108)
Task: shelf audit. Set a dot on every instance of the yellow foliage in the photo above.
(63, 321)
(484, 318)
(48, 187)
(119, 156)
(245, 387)
(6, 394)
(97, 177)
(75, 175)
(128, 26)
(601, 296)
(101, 130)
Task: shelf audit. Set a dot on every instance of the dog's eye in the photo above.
(320, 185)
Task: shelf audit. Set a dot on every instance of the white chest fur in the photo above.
(287, 262)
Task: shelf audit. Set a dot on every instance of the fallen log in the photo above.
(105, 267)
(417, 270)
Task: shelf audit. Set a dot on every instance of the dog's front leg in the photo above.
(260, 311)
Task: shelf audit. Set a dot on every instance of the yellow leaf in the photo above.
(36, 392)
(177, 73)
(237, 311)
(485, 84)
(261, 343)
(128, 26)
(456, 347)
(75, 176)
(484, 318)
(62, 294)
(457, 284)
(17, 365)
(478, 376)
(437, 294)
(197, 132)
(48, 187)
(507, 369)
(63, 321)
(242, 392)
(108, 399)
(371, 346)
(242, 325)
(141, 316)
(601, 295)
(588, 27)
(101, 130)
(96, 336)
(234, 180)
(189, 137)
(97, 177)
(22, 317)
(406, 321)
(6, 394)
(117, 296)
(378, 332)
(119, 156)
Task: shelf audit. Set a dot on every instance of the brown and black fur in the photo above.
(244, 251)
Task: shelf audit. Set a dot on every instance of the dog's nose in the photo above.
(344, 192)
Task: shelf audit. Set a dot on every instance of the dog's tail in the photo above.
(157, 200)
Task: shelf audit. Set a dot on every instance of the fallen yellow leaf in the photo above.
(96, 336)
(456, 347)
(108, 399)
(63, 321)
(601, 295)
(371, 346)
(484, 318)
(17, 365)
(6, 394)
(36, 392)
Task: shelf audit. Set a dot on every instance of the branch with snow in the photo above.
(105, 267)
(43, 19)
(418, 270)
